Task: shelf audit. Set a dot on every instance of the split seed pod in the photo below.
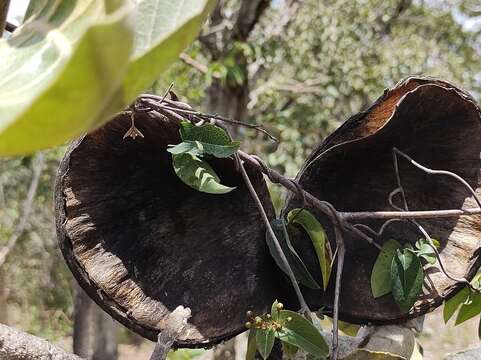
(140, 242)
(438, 126)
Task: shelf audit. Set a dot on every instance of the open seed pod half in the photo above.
(437, 125)
(140, 242)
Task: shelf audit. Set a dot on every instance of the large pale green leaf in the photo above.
(73, 64)
(198, 174)
(298, 267)
(318, 237)
(265, 341)
(407, 278)
(381, 272)
(298, 331)
(59, 71)
(163, 28)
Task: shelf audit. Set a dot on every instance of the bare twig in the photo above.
(176, 323)
(341, 252)
(304, 307)
(400, 189)
(436, 172)
(176, 107)
(27, 205)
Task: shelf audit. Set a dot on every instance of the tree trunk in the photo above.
(106, 336)
(95, 332)
(83, 324)
(3, 298)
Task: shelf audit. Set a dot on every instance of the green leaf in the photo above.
(348, 328)
(163, 29)
(425, 251)
(407, 278)
(251, 345)
(301, 333)
(213, 140)
(207, 133)
(275, 311)
(185, 148)
(453, 304)
(470, 308)
(301, 273)
(198, 174)
(318, 237)
(265, 341)
(59, 71)
(74, 64)
(381, 272)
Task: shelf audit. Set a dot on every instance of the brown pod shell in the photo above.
(437, 125)
(140, 242)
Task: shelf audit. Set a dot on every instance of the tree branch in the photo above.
(17, 345)
(26, 208)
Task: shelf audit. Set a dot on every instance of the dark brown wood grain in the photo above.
(141, 242)
(439, 126)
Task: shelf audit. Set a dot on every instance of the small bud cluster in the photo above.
(265, 322)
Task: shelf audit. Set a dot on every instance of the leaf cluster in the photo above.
(399, 271)
(293, 330)
(188, 157)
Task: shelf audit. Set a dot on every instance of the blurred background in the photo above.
(300, 68)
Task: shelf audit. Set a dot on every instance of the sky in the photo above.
(16, 11)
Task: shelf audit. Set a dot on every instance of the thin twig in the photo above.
(406, 207)
(176, 106)
(439, 172)
(304, 307)
(341, 252)
(26, 208)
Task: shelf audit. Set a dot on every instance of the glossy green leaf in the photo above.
(318, 237)
(381, 272)
(470, 308)
(301, 273)
(407, 278)
(298, 331)
(251, 345)
(265, 341)
(163, 29)
(198, 174)
(55, 79)
(454, 303)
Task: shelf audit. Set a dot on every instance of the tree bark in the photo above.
(17, 345)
